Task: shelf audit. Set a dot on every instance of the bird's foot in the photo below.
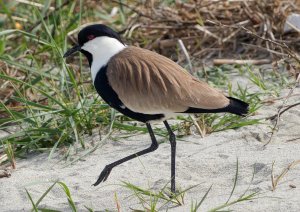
(171, 192)
(173, 195)
(103, 176)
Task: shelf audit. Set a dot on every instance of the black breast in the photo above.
(110, 97)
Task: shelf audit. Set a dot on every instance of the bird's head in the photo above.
(94, 39)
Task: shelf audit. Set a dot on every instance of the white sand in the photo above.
(205, 161)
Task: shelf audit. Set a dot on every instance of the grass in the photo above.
(276, 180)
(150, 200)
(259, 87)
(35, 205)
(245, 196)
(155, 201)
(48, 104)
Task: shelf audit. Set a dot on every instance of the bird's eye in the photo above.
(91, 37)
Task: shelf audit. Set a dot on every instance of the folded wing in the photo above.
(149, 83)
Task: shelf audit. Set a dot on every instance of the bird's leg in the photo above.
(172, 139)
(106, 171)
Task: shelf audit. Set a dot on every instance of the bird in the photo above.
(147, 87)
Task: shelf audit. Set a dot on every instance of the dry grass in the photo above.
(157, 25)
(192, 23)
(276, 180)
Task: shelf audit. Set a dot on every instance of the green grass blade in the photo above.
(45, 194)
(235, 180)
(68, 193)
(31, 200)
(197, 206)
(34, 37)
(36, 88)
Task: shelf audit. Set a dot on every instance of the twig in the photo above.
(279, 112)
(241, 62)
(197, 126)
(282, 174)
(292, 139)
(230, 36)
(131, 8)
(206, 31)
(47, 15)
(279, 98)
(280, 44)
(290, 52)
(185, 52)
(265, 49)
(167, 43)
(34, 4)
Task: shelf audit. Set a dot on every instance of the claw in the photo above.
(103, 176)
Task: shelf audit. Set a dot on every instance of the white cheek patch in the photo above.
(102, 49)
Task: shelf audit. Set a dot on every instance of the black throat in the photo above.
(110, 97)
(88, 55)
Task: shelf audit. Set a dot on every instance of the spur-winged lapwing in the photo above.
(146, 86)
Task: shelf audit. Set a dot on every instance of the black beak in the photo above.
(72, 50)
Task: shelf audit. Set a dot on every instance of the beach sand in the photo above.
(200, 161)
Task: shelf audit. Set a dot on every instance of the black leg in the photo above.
(172, 140)
(106, 171)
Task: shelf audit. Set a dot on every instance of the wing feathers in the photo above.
(147, 82)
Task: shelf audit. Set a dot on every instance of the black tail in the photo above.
(237, 107)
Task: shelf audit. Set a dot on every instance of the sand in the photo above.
(200, 161)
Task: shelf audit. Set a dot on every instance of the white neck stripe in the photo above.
(102, 49)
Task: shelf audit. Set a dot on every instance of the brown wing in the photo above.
(147, 82)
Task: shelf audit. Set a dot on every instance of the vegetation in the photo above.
(48, 103)
(153, 200)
